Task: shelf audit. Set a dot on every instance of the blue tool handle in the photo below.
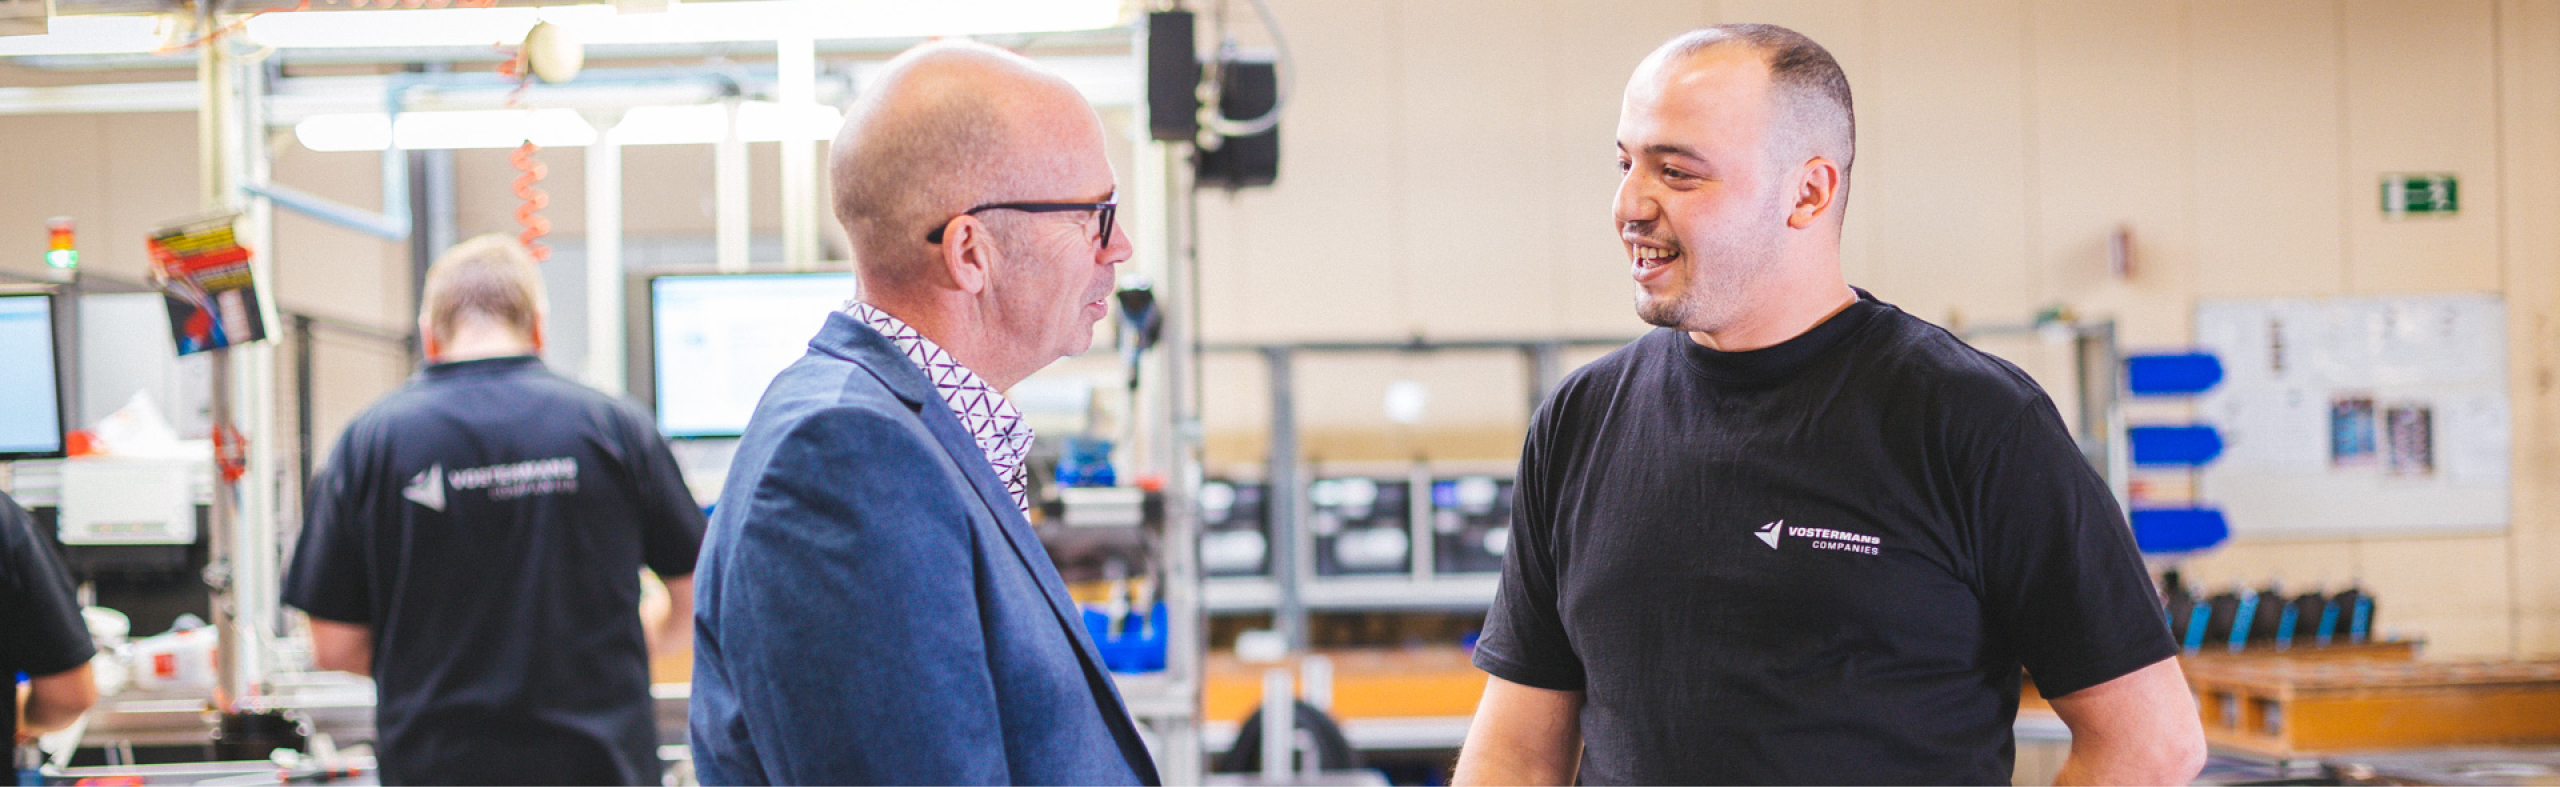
(2240, 621)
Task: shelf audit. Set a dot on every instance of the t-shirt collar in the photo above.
(491, 365)
(1778, 361)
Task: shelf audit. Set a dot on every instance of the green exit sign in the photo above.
(2407, 195)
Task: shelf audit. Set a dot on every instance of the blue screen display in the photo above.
(30, 403)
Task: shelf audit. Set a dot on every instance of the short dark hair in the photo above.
(1809, 83)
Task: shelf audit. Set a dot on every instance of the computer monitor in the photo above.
(31, 358)
(718, 340)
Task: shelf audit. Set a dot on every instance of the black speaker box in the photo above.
(1247, 89)
(1173, 78)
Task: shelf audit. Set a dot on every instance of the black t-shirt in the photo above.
(489, 522)
(41, 632)
(1822, 562)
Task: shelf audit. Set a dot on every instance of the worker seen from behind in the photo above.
(1797, 535)
(875, 608)
(475, 544)
(42, 635)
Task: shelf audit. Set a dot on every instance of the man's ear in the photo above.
(428, 347)
(1817, 192)
(541, 327)
(968, 254)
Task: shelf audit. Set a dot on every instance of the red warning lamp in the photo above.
(60, 250)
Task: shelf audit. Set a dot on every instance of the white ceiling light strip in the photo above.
(737, 20)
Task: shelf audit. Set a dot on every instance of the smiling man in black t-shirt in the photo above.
(1798, 535)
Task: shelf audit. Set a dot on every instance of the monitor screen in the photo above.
(30, 378)
(719, 340)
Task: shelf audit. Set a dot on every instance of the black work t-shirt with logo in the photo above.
(1822, 562)
(490, 521)
(41, 631)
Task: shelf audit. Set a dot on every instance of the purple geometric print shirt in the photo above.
(998, 427)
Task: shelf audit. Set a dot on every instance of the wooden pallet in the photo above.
(2287, 708)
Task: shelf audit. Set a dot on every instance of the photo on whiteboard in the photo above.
(2413, 440)
(2351, 431)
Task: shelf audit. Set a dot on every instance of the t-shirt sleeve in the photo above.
(41, 631)
(1524, 639)
(331, 575)
(671, 522)
(2061, 578)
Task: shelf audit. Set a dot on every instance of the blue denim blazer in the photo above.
(871, 608)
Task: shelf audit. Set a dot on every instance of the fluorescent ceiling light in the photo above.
(702, 124)
(736, 20)
(495, 128)
(90, 35)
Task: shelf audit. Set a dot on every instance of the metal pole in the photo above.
(729, 196)
(215, 124)
(1546, 369)
(302, 386)
(796, 68)
(1178, 455)
(605, 307)
(1279, 727)
(1289, 616)
(257, 578)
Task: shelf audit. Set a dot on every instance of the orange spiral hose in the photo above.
(529, 212)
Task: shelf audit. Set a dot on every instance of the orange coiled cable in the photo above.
(530, 172)
(529, 212)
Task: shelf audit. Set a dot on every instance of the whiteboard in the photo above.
(2358, 416)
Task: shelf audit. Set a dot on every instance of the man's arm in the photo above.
(2141, 728)
(346, 647)
(673, 632)
(1522, 735)
(52, 702)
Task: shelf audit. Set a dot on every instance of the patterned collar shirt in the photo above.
(998, 427)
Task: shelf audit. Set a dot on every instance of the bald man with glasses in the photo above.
(872, 606)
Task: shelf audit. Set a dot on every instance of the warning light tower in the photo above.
(61, 252)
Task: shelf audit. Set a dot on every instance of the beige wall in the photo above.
(1447, 172)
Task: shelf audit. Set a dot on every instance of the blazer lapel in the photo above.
(847, 338)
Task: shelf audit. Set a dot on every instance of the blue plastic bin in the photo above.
(1140, 646)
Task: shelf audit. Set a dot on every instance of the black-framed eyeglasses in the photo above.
(1108, 209)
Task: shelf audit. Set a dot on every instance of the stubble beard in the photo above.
(1711, 298)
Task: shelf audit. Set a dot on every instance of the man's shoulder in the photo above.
(1604, 375)
(1910, 355)
(819, 382)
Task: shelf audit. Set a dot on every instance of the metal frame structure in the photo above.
(1293, 570)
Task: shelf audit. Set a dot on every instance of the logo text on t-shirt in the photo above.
(1822, 538)
(555, 476)
(427, 488)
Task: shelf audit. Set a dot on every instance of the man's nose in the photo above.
(1634, 203)
(1117, 248)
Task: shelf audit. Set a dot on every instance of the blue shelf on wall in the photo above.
(2166, 530)
(2180, 374)
(2174, 446)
